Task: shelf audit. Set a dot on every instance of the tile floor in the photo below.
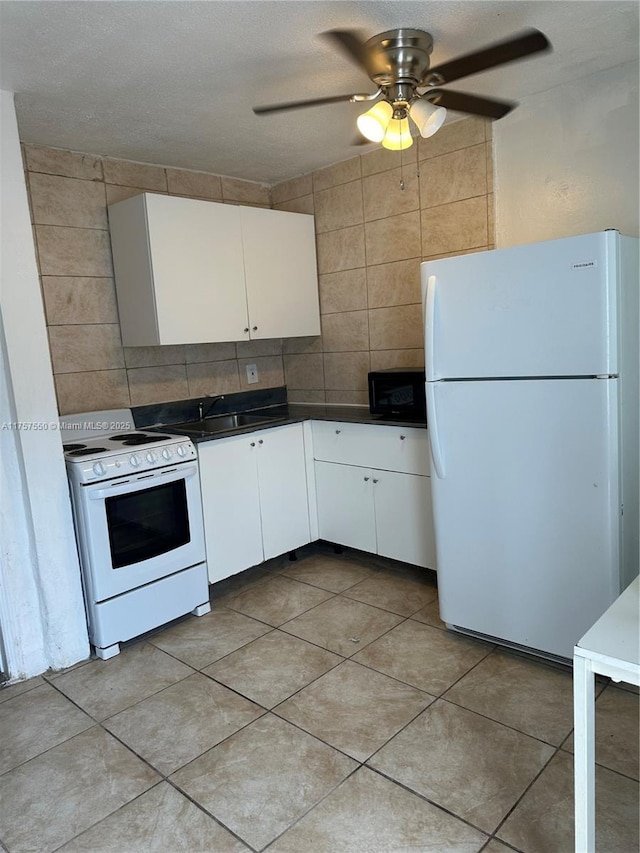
(321, 707)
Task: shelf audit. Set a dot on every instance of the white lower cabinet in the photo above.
(386, 512)
(254, 495)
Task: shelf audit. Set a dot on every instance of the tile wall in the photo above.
(371, 237)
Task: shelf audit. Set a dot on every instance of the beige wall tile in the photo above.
(197, 184)
(393, 239)
(491, 220)
(451, 137)
(270, 372)
(349, 398)
(92, 391)
(346, 332)
(338, 207)
(157, 384)
(489, 151)
(73, 251)
(397, 283)
(54, 161)
(305, 395)
(116, 193)
(383, 195)
(454, 176)
(233, 189)
(338, 173)
(214, 377)
(293, 188)
(210, 352)
(153, 356)
(129, 174)
(80, 348)
(251, 349)
(454, 227)
(304, 204)
(302, 345)
(341, 250)
(77, 299)
(455, 254)
(382, 159)
(304, 370)
(396, 328)
(67, 201)
(343, 291)
(346, 371)
(386, 358)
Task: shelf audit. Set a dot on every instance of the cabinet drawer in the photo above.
(390, 448)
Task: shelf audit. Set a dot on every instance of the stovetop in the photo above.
(122, 454)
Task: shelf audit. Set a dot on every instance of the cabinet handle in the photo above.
(338, 431)
(246, 328)
(260, 441)
(374, 480)
(254, 328)
(402, 437)
(366, 479)
(253, 444)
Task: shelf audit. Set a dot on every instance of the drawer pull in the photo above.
(338, 431)
(253, 444)
(374, 480)
(260, 441)
(402, 437)
(366, 479)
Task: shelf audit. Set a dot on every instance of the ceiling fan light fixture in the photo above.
(427, 117)
(373, 124)
(398, 135)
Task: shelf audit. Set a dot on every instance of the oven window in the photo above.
(145, 524)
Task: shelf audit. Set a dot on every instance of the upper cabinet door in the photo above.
(196, 253)
(280, 273)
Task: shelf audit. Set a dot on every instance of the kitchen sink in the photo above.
(224, 423)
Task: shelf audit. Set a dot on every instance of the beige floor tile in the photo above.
(392, 592)
(370, 814)
(327, 572)
(273, 667)
(423, 656)
(264, 778)
(160, 821)
(526, 694)
(276, 600)
(544, 820)
(430, 615)
(12, 690)
(104, 687)
(471, 766)
(617, 728)
(52, 798)
(341, 625)
(495, 846)
(354, 709)
(202, 713)
(35, 721)
(202, 640)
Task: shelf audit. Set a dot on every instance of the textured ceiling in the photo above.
(174, 82)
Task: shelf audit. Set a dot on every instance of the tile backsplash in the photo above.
(371, 236)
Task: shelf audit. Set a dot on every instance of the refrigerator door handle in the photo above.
(429, 326)
(434, 435)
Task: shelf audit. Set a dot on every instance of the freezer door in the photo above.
(546, 309)
(526, 507)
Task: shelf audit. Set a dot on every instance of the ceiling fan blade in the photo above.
(465, 103)
(350, 44)
(528, 42)
(296, 105)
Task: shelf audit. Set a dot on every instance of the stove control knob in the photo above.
(151, 457)
(167, 453)
(134, 460)
(99, 469)
(182, 450)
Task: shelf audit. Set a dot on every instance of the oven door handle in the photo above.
(183, 473)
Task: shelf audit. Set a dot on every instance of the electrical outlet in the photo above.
(252, 374)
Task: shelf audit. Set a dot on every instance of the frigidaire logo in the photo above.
(582, 265)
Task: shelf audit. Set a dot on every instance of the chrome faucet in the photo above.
(202, 414)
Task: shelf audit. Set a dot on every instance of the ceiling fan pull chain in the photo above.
(402, 184)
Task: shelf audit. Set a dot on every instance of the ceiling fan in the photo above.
(397, 61)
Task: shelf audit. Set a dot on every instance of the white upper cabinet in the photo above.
(191, 271)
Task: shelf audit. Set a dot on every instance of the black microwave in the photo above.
(398, 392)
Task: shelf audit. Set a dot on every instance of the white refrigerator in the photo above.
(532, 409)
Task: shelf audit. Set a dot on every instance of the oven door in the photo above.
(139, 529)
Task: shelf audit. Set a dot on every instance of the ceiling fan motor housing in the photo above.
(398, 56)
